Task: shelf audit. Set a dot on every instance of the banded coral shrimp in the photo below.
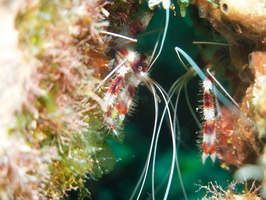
(231, 148)
(128, 74)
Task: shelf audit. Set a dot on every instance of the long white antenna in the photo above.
(118, 35)
(166, 6)
(210, 43)
(222, 88)
(220, 96)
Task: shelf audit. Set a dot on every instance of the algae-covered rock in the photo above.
(61, 139)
